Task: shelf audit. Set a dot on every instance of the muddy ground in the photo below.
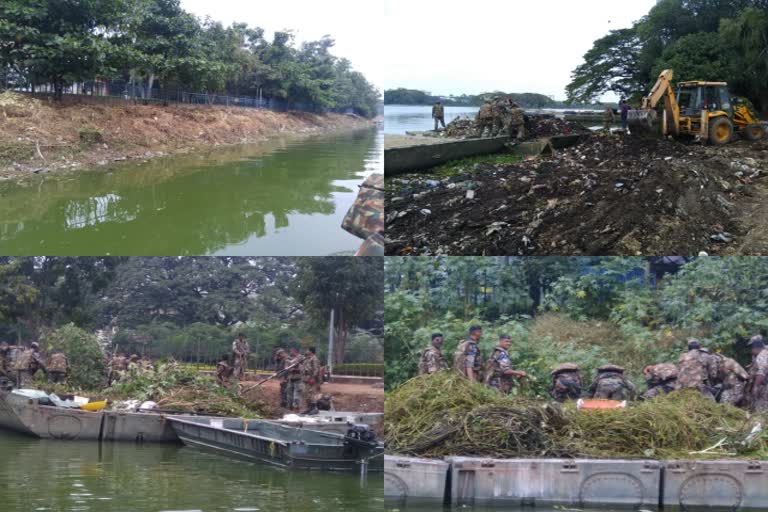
(40, 136)
(613, 194)
(346, 397)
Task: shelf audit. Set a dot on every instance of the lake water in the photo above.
(283, 197)
(68, 476)
(401, 118)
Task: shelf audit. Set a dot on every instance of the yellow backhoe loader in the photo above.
(703, 109)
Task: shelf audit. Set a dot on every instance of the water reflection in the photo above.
(287, 197)
(69, 476)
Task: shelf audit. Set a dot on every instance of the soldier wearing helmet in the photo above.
(28, 363)
(611, 384)
(566, 382)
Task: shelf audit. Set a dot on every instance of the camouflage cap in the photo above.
(757, 339)
(693, 342)
(610, 368)
(565, 367)
(34, 345)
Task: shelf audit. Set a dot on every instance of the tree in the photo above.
(611, 65)
(17, 294)
(85, 356)
(351, 287)
(745, 41)
(698, 56)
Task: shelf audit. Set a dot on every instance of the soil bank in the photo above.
(40, 136)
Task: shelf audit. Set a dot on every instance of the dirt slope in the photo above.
(134, 130)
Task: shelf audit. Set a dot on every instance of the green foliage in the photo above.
(151, 42)
(700, 39)
(86, 359)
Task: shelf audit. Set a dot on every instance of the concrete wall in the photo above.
(416, 158)
(676, 485)
(578, 483)
(408, 478)
(726, 485)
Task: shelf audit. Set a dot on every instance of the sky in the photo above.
(485, 45)
(355, 25)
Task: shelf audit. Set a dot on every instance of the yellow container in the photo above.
(94, 406)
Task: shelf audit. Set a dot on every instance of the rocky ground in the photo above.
(40, 136)
(612, 194)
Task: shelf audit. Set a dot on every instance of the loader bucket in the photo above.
(642, 121)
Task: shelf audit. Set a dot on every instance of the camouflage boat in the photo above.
(281, 445)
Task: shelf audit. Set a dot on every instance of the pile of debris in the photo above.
(536, 125)
(612, 194)
(546, 125)
(446, 414)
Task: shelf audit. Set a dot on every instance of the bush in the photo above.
(86, 359)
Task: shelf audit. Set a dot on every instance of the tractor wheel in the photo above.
(754, 131)
(720, 131)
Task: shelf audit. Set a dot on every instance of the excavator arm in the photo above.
(645, 116)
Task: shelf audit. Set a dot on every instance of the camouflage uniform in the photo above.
(365, 218)
(431, 360)
(484, 118)
(240, 350)
(224, 373)
(119, 365)
(310, 378)
(57, 368)
(610, 384)
(5, 362)
(733, 378)
(661, 379)
(697, 370)
(609, 117)
(281, 361)
(438, 114)
(28, 363)
(293, 387)
(514, 121)
(468, 355)
(566, 382)
(760, 368)
(499, 113)
(498, 363)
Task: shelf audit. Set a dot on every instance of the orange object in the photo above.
(595, 403)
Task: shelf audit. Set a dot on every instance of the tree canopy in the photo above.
(192, 307)
(720, 40)
(154, 43)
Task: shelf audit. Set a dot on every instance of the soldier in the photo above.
(5, 362)
(611, 384)
(431, 359)
(566, 382)
(281, 361)
(516, 123)
(240, 350)
(28, 363)
(609, 117)
(499, 372)
(758, 397)
(484, 118)
(57, 367)
(732, 379)
(293, 388)
(697, 369)
(438, 114)
(499, 113)
(224, 372)
(119, 365)
(467, 359)
(311, 378)
(661, 379)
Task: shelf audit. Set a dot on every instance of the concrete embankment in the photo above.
(722, 484)
(39, 136)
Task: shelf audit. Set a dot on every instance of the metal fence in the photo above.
(120, 91)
